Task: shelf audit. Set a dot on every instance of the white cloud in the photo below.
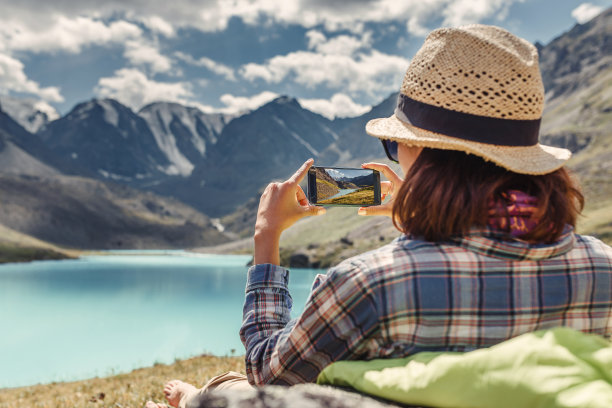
(44, 107)
(373, 73)
(339, 106)
(66, 34)
(235, 104)
(585, 12)
(14, 79)
(216, 67)
(140, 53)
(459, 12)
(132, 88)
(214, 15)
(159, 25)
(339, 45)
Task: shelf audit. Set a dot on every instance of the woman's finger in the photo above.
(384, 169)
(301, 196)
(301, 172)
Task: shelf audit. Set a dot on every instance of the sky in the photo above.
(337, 57)
(344, 173)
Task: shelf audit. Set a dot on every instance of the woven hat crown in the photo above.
(477, 69)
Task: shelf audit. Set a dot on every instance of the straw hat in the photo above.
(476, 89)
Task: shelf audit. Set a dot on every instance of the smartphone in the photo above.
(343, 186)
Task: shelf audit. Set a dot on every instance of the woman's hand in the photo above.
(280, 206)
(390, 188)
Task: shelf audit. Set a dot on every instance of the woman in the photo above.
(488, 250)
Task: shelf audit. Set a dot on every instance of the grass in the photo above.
(363, 196)
(13, 253)
(133, 389)
(18, 247)
(325, 189)
(335, 224)
(596, 220)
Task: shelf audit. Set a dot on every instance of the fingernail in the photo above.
(361, 211)
(321, 211)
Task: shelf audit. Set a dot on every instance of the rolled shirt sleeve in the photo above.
(339, 315)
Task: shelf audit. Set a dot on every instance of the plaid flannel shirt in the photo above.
(412, 295)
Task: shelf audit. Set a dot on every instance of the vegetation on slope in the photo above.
(18, 247)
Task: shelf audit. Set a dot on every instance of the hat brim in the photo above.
(536, 160)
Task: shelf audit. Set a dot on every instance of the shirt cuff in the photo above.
(267, 276)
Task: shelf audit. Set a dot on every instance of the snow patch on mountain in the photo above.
(31, 114)
(159, 123)
(296, 136)
(110, 113)
(199, 130)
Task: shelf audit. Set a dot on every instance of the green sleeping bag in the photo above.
(551, 368)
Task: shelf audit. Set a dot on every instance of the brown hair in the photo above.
(447, 192)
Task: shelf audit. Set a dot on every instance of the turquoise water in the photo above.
(341, 192)
(99, 315)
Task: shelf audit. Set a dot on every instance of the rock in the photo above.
(299, 260)
(346, 241)
(297, 396)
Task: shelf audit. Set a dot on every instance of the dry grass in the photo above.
(133, 389)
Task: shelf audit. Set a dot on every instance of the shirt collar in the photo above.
(488, 242)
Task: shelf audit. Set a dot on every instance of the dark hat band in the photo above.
(481, 129)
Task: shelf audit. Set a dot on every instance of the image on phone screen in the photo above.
(343, 186)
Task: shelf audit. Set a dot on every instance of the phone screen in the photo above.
(343, 186)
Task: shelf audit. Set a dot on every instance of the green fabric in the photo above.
(552, 368)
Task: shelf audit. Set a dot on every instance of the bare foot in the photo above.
(175, 390)
(151, 404)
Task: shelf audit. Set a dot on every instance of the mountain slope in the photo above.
(577, 67)
(570, 60)
(183, 134)
(18, 247)
(84, 213)
(21, 152)
(109, 140)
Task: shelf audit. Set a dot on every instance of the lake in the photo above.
(100, 315)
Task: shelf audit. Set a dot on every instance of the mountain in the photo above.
(577, 70)
(109, 140)
(21, 152)
(31, 114)
(569, 61)
(252, 150)
(40, 202)
(183, 134)
(89, 214)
